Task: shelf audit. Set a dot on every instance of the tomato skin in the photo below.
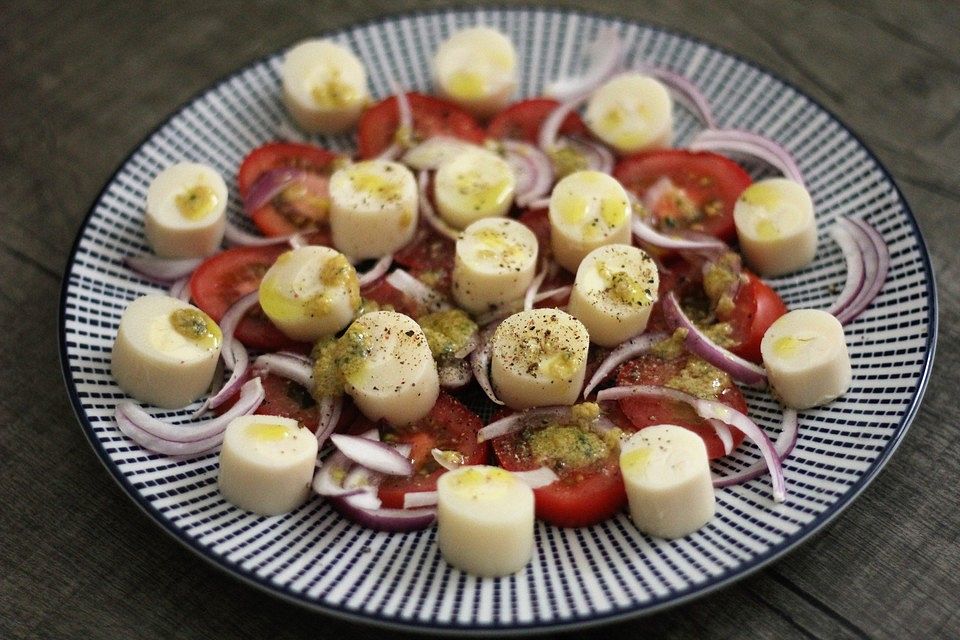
(384, 293)
(431, 254)
(277, 155)
(756, 307)
(707, 179)
(579, 498)
(224, 278)
(522, 121)
(431, 116)
(289, 399)
(450, 426)
(651, 369)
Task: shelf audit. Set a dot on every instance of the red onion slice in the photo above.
(598, 156)
(531, 292)
(784, 445)
(697, 342)
(604, 57)
(286, 367)
(184, 439)
(540, 203)
(853, 257)
(515, 421)
(711, 410)
(537, 478)
(750, 144)
(550, 129)
(239, 364)
(420, 293)
(180, 289)
(162, 269)
(648, 234)
(876, 260)
(480, 362)
(434, 151)
(381, 266)
(404, 126)
(374, 455)
(416, 499)
(229, 322)
(236, 236)
(454, 374)
(429, 213)
(330, 410)
(552, 293)
(449, 460)
(270, 184)
(533, 170)
(684, 91)
(329, 478)
(723, 433)
(626, 351)
(392, 520)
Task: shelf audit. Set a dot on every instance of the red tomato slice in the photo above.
(283, 215)
(450, 426)
(224, 278)
(689, 189)
(522, 121)
(289, 399)
(756, 307)
(429, 258)
(650, 369)
(581, 497)
(431, 117)
(384, 293)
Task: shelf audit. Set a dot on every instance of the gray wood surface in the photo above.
(83, 83)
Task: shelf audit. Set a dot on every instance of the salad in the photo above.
(570, 267)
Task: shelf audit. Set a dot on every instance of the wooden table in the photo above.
(81, 84)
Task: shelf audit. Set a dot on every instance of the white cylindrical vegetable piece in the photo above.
(494, 263)
(473, 185)
(539, 358)
(267, 464)
(166, 351)
(631, 112)
(477, 69)
(615, 289)
(588, 209)
(186, 211)
(310, 292)
(776, 226)
(389, 370)
(667, 476)
(805, 355)
(485, 518)
(324, 86)
(373, 208)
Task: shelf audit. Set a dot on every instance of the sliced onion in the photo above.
(415, 499)
(698, 343)
(469, 346)
(229, 322)
(269, 184)
(533, 170)
(648, 234)
(723, 433)
(330, 410)
(392, 520)
(429, 213)
(552, 293)
(515, 421)
(286, 367)
(454, 374)
(449, 460)
(531, 293)
(853, 257)
(626, 351)
(480, 361)
(604, 56)
(876, 264)
(180, 289)
(382, 265)
(434, 151)
(416, 290)
(540, 203)
(784, 445)
(747, 143)
(162, 269)
(184, 439)
(598, 157)
(550, 129)
(684, 91)
(404, 125)
(537, 478)
(236, 236)
(239, 365)
(374, 455)
(711, 410)
(329, 478)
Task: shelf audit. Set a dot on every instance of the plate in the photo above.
(578, 576)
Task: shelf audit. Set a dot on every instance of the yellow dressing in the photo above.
(197, 327)
(267, 432)
(787, 346)
(636, 460)
(467, 85)
(488, 483)
(197, 202)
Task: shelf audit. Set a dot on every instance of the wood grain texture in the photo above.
(82, 84)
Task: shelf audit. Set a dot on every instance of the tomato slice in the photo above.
(297, 208)
(651, 369)
(224, 278)
(289, 399)
(449, 426)
(693, 190)
(522, 121)
(430, 258)
(582, 495)
(756, 307)
(431, 117)
(384, 293)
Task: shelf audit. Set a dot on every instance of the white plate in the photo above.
(578, 576)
